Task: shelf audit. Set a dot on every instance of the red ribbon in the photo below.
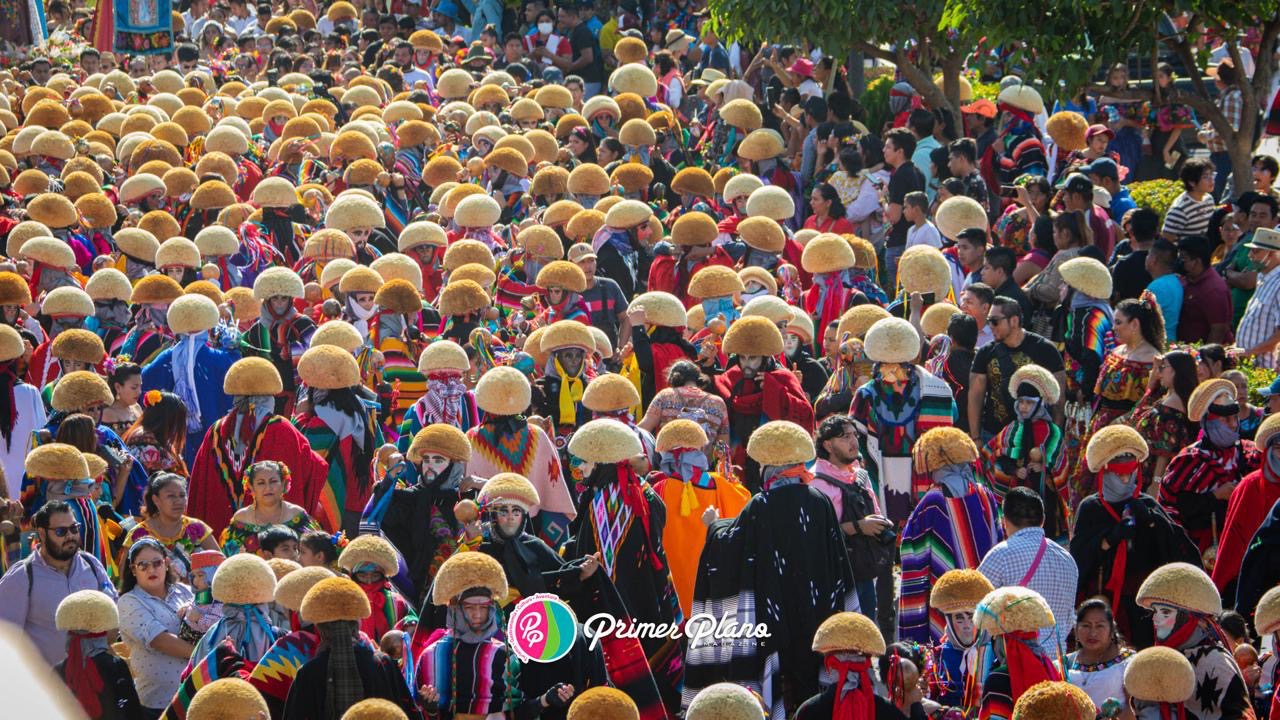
(859, 704)
(82, 674)
(1026, 666)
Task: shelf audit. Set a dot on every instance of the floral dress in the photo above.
(153, 457)
(1166, 429)
(241, 537)
(190, 536)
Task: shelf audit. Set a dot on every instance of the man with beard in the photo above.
(1122, 534)
(557, 394)
(1029, 451)
(340, 423)
(31, 590)
(757, 389)
(954, 525)
(782, 564)
(413, 504)
(150, 335)
(900, 403)
(1201, 477)
(250, 433)
(956, 595)
(281, 334)
(622, 519)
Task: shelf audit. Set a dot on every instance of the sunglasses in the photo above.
(145, 565)
(61, 532)
(995, 319)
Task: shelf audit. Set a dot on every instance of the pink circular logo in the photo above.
(542, 628)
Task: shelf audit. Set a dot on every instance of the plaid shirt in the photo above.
(1232, 105)
(1055, 579)
(1262, 318)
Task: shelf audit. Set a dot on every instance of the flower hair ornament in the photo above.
(285, 476)
(151, 398)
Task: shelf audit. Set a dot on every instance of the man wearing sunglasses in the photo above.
(31, 590)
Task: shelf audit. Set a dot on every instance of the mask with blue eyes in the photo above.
(720, 306)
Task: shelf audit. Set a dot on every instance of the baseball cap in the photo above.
(580, 251)
(982, 107)
(802, 67)
(1104, 167)
(1077, 183)
(1096, 130)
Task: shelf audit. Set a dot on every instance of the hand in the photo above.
(1021, 473)
(710, 515)
(708, 351)
(469, 483)
(917, 303)
(1251, 675)
(558, 696)
(590, 564)
(1023, 198)
(873, 525)
(1224, 491)
(429, 695)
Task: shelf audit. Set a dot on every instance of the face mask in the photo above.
(1164, 619)
(545, 28)
(753, 290)
(1220, 433)
(1273, 455)
(954, 478)
(1119, 480)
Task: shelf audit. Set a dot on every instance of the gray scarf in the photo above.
(111, 313)
(1118, 488)
(135, 270)
(1041, 411)
(688, 465)
(338, 421)
(459, 628)
(954, 479)
(343, 687)
(1220, 433)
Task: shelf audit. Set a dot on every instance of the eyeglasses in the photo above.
(61, 532)
(145, 565)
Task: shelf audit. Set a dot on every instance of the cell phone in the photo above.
(928, 298)
(1008, 191)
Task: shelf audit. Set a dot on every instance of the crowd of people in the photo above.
(330, 334)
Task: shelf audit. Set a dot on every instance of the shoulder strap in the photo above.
(1035, 562)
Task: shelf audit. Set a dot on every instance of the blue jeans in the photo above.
(1222, 170)
(891, 255)
(866, 590)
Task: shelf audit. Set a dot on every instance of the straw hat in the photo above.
(959, 590)
(608, 393)
(1045, 384)
(1013, 609)
(780, 442)
(892, 340)
(328, 368)
(753, 335)
(1087, 276)
(56, 461)
(1215, 391)
(724, 701)
(465, 571)
(925, 270)
(848, 632)
(335, 598)
(769, 201)
(604, 441)
(252, 376)
(827, 253)
(562, 274)
(603, 703)
(443, 355)
(937, 317)
(1160, 674)
(661, 309)
(509, 488)
(1054, 700)
(244, 579)
(370, 549)
(1183, 586)
(78, 345)
(227, 699)
(77, 391)
(943, 446)
(87, 611)
(503, 391)
(715, 281)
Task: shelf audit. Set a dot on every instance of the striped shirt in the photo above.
(1188, 216)
(1262, 318)
(1055, 579)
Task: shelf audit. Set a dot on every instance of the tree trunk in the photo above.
(921, 80)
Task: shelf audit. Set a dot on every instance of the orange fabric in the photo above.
(683, 536)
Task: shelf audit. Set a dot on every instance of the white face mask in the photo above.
(1163, 618)
(790, 345)
(545, 28)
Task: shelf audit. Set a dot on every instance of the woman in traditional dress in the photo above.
(1161, 415)
(268, 481)
(1098, 666)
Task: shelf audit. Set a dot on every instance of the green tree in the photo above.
(907, 35)
(1074, 40)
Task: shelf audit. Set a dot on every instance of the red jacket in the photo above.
(662, 274)
(783, 397)
(1249, 505)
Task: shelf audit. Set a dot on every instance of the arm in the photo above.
(13, 595)
(1265, 346)
(624, 329)
(169, 644)
(977, 390)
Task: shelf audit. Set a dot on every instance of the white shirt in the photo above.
(239, 25)
(809, 88)
(31, 417)
(926, 234)
(416, 74)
